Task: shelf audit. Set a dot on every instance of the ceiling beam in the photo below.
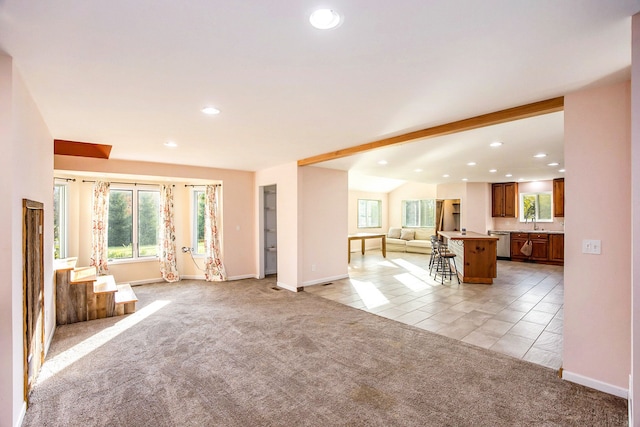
(81, 149)
(510, 114)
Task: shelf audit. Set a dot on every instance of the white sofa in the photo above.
(416, 240)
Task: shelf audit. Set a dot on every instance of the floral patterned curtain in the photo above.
(214, 269)
(167, 236)
(99, 221)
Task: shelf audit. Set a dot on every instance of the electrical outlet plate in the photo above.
(593, 247)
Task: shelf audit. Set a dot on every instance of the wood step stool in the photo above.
(125, 300)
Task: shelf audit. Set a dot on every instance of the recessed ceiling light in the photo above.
(417, 170)
(508, 175)
(170, 144)
(382, 162)
(560, 170)
(493, 170)
(495, 144)
(324, 19)
(465, 179)
(212, 111)
(553, 164)
(540, 155)
(471, 164)
(520, 179)
(446, 175)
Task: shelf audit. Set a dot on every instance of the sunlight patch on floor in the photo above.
(412, 282)
(56, 364)
(388, 264)
(369, 294)
(413, 268)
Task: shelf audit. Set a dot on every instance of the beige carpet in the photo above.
(243, 354)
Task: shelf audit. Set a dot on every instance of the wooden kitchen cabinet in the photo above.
(540, 246)
(556, 248)
(558, 197)
(517, 241)
(504, 199)
(546, 248)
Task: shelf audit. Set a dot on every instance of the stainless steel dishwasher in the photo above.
(504, 243)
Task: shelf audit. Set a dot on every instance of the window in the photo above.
(132, 231)
(536, 206)
(369, 213)
(419, 213)
(198, 222)
(60, 208)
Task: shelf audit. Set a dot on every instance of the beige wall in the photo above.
(237, 206)
(475, 204)
(311, 222)
(324, 194)
(407, 191)
(285, 177)
(26, 166)
(635, 198)
(476, 209)
(597, 310)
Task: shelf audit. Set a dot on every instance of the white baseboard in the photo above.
(145, 281)
(192, 277)
(325, 280)
(243, 276)
(287, 287)
(595, 384)
(23, 412)
(49, 340)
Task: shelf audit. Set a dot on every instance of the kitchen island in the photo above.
(476, 255)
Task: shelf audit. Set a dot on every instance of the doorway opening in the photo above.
(269, 231)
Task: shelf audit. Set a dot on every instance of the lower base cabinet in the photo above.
(547, 248)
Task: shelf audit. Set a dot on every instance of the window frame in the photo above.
(432, 206)
(135, 190)
(63, 219)
(367, 216)
(521, 210)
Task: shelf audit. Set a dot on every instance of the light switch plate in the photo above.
(593, 247)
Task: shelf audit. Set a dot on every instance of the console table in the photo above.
(364, 236)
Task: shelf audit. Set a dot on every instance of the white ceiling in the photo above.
(134, 74)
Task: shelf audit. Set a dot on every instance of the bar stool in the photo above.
(443, 261)
(434, 252)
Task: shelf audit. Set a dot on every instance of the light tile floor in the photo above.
(519, 315)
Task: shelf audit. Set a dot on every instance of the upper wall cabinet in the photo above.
(504, 199)
(558, 197)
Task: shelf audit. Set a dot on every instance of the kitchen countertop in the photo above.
(470, 235)
(531, 231)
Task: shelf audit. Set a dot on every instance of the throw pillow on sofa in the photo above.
(394, 233)
(407, 234)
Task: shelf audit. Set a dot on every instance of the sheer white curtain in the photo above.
(214, 268)
(167, 236)
(99, 221)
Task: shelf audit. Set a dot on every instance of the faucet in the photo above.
(533, 220)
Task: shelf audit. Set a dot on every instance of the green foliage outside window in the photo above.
(148, 221)
(120, 229)
(419, 213)
(122, 209)
(199, 207)
(536, 206)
